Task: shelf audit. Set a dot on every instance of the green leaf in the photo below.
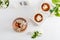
(35, 34)
(52, 9)
(57, 12)
(7, 2)
(0, 2)
(56, 1)
(57, 15)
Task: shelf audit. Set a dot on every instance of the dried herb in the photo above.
(4, 3)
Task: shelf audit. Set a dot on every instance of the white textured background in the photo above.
(50, 28)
